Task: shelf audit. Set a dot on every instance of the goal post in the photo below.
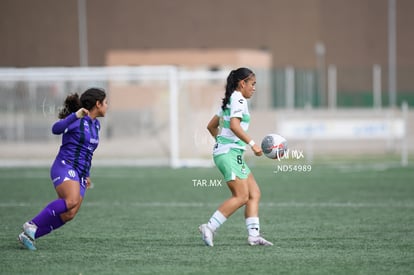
(155, 114)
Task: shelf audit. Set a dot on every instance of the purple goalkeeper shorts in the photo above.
(61, 171)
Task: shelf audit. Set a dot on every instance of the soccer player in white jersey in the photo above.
(229, 128)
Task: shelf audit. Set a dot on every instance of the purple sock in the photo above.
(47, 216)
(56, 222)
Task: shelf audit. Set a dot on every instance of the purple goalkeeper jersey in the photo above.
(79, 140)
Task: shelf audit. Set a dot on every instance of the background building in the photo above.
(354, 32)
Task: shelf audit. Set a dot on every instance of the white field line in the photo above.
(391, 204)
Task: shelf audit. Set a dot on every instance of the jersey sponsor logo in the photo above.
(94, 140)
(56, 179)
(86, 125)
(241, 100)
(237, 111)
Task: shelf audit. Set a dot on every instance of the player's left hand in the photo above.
(257, 150)
(89, 184)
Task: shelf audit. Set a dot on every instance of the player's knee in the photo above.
(69, 215)
(255, 196)
(243, 199)
(72, 203)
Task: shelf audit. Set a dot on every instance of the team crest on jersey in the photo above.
(72, 173)
(243, 170)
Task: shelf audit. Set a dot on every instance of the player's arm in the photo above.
(236, 128)
(213, 126)
(60, 126)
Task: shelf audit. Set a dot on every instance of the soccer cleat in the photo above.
(26, 241)
(258, 240)
(30, 230)
(206, 234)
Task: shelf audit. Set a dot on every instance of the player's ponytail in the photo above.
(230, 87)
(233, 80)
(72, 104)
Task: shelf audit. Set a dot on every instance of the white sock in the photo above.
(216, 220)
(253, 226)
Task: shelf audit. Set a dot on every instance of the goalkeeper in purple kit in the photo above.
(70, 170)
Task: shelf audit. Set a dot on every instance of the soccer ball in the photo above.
(274, 146)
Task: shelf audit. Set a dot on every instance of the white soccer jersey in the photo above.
(237, 107)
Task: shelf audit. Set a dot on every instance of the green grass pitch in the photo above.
(331, 220)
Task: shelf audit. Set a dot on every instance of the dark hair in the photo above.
(233, 80)
(87, 100)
